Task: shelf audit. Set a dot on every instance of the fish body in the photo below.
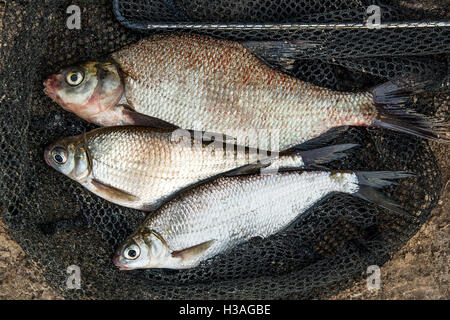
(141, 167)
(219, 86)
(200, 83)
(214, 217)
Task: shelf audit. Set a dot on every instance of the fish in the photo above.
(142, 167)
(200, 83)
(206, 221)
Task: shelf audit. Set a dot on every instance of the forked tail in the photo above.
(390, 99)
(368, 182)
(317, 157)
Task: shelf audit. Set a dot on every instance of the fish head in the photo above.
(144, 249)
(70, 157)
(88, 89)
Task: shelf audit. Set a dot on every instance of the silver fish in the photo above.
(205, 84)
(203, 222)
(141, 167)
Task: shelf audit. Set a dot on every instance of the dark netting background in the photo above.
(58, 223)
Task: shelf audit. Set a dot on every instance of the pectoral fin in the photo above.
(131, 117)
(113, 193)
(192, 252)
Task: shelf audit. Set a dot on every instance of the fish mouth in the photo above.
(51, 86)
(117, 263)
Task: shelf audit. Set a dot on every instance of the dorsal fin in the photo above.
(279, 53)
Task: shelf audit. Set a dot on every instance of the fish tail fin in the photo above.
(390, 99)
(314, 158)
(369, 182)
(317, 157)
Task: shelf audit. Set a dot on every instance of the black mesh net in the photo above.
(59, 224)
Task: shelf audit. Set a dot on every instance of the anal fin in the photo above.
(252, 168)
(320, 141)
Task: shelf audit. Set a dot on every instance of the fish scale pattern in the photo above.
(58, 223)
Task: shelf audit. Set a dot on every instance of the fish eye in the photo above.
(75, 78)
(132, 252)
(59, 155)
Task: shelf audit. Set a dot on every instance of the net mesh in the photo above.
(59, 224)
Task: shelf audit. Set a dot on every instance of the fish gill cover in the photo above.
(59, 224)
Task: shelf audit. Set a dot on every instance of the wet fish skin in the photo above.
(200, 83)
(206, 221)
(142, 167)
(219, 86)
